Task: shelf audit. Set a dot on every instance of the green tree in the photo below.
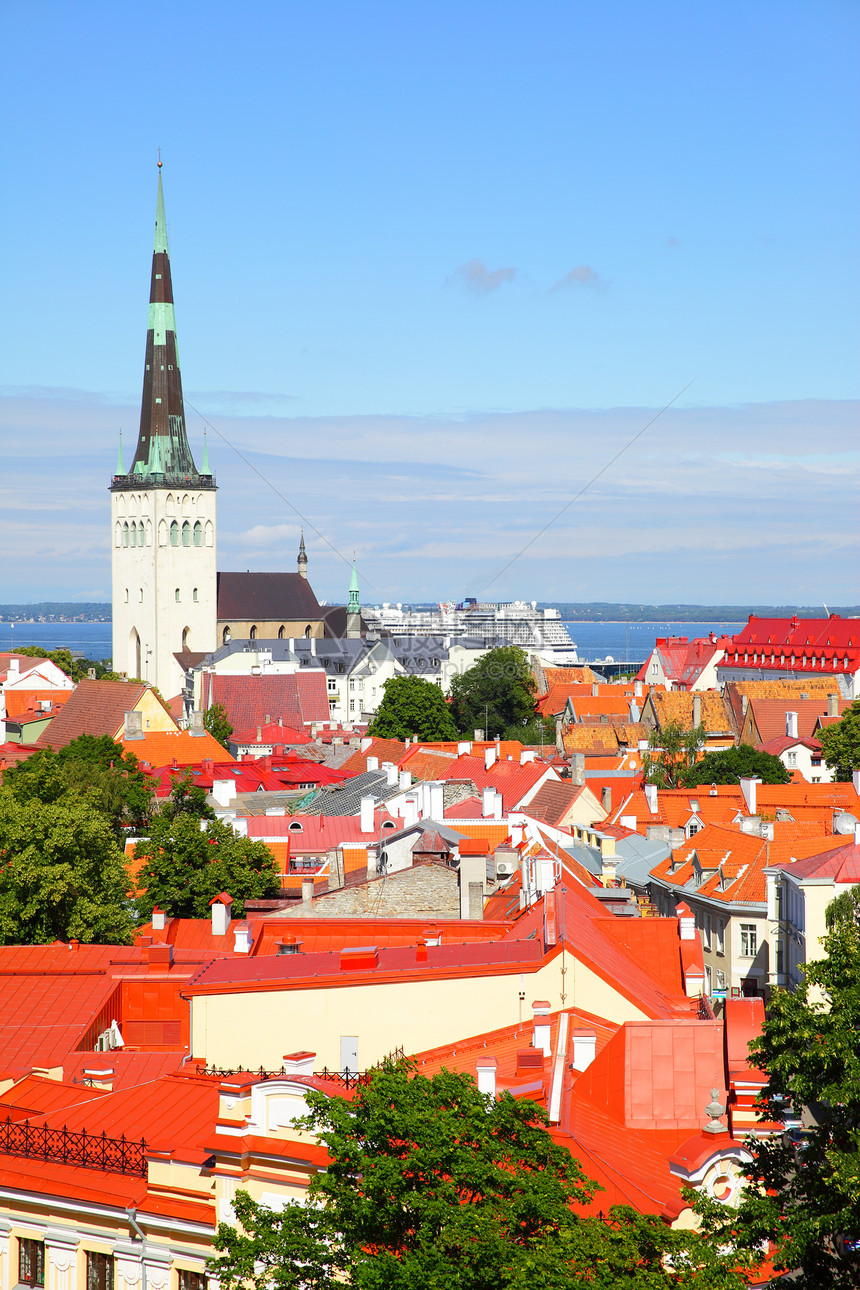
(728, 766)
(412, 706)
(433, 1184)
(840, 743)
(803, 1193)
(95, 766)
(63, 872)
(671, 751)
(497, 695)
(187, 798)
(185, 865)
(216, 722)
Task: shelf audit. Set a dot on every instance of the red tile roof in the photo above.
(827, 644)
(297, 698)
(94, 708)
(842, 864)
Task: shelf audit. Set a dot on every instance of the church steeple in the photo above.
(353, 608)
(303, 557)
(163, 457)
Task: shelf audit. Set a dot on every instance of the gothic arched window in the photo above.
(281, 633)
(176, 594)
(198, 533)
(225, 636)
(194, 595)
(186, 534)
(252, 634)
(125, 534)
(174, 534)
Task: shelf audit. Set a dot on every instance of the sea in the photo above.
(596, 642)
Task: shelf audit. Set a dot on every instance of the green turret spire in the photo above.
(354, 606)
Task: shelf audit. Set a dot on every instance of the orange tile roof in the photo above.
(93, 708)
(382, 749)
(21, 702)
(769, 715)
(163, 747)
(677, 705)
(577, 675)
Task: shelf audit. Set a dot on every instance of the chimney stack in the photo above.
(489, 757)
(697, 710)
(221, 906)
(196, 728)
(307, 890)
(241, 938)
(542, 1028)
(158, 919)
(651, 797)
(133, 725)
(791, 725)
(584, 1048)
(606, 798)
(367, 813)
(748, 788)
(577, 769)
(833, 705)
(486, 1068)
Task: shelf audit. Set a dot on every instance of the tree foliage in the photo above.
(728, 766)
(804, 1189)
(215, 720)
(63, 872)
(76, 668)
(185, 865)
(94, 766)
(496, 695)
(840, 743)
(433, 1184)
(672, 750)
(412, 706)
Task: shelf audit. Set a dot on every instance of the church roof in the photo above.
(267, 596)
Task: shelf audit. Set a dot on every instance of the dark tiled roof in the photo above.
(346, 799)
(553, 800)
(95, 708)
(266, 596)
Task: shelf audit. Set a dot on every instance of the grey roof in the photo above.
(345, 799)
(636, 857)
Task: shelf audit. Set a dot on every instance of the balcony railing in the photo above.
(68, 1147)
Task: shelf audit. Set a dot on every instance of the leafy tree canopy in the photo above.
(497, 695)
(187, 798)
(412, 706)
(432, 1184)
(804, 1190)
(216, 722)
(672, 751)
(728, 766)
(76, 668)
(185, 865)
(63, 872)
(840, 743)
(95, 766)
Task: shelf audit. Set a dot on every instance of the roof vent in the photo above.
(358, 956)
(289, 945)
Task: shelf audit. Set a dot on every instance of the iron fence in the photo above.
(66, 1146)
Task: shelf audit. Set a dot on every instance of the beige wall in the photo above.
(257, 1028)
(268, 628)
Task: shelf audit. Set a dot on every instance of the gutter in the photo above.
(131, 1211)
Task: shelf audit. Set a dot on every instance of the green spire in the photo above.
(204, 469)
(160, 220)
(354, 606)
(120, 462)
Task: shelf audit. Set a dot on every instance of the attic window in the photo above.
(296, 827)
(388, 824)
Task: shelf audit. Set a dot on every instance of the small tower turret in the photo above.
(353, 608)
(303, 558)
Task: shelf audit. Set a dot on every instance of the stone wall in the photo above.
(426, 891)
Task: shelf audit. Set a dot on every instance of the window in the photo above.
(194, 595)
(125, 535)
(653, 669)
(749, 940)
(780, 957)
(707, 932)
(191, 1280)
(707, 979)
(99, 1271)
(140, 594)
(791, 760)
(281, 633)
(31, 1262)
(126, 595)
(176, 595)
(252, 634)
(198, 534)
(174, 534)
(721, 979)
(721, 936)
(186, 534)
(225, 636)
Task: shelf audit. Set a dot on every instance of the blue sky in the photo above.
(434, 266)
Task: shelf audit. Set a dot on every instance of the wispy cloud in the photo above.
(582, 276)
(674, 241)
(475, 277)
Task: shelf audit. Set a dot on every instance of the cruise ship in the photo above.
(515, 622)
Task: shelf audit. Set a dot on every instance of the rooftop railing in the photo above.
(68, 1147)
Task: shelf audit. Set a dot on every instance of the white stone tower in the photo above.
(163, 523)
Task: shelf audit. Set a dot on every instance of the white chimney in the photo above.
(697, 710)
(628, 822)
(791, 725)
(584, 1048)
(543, 1030)
(577, 769)
(391, 774)
(595, 689)
(221, 908)
(365, 744)
(855, 780)
(373, 763)
(158, 919)
(637, 689)
(464, 747)
(299, 1063)
(526, 756)
(634, 712)
(489, 757)
(133, 725)
(486, 1068)
(651, 797)
(14, 666)
(436, 801)
(833, 705)
(686, 922)
(242, 938)
(748, 788)
(488, 802)
(404, 780)
(409, 814)
(367, 813)
(307, 890)
(224, 791)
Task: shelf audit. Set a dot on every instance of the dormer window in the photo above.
(296, 826)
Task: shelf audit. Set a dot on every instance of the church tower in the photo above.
(353, 608)
(162, 513)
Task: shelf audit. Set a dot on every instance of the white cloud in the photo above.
(475, 277)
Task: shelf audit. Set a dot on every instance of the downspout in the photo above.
(131, 1211)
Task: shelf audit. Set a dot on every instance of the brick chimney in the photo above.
(833, 705)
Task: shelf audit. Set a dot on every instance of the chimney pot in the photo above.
(486, 1068)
